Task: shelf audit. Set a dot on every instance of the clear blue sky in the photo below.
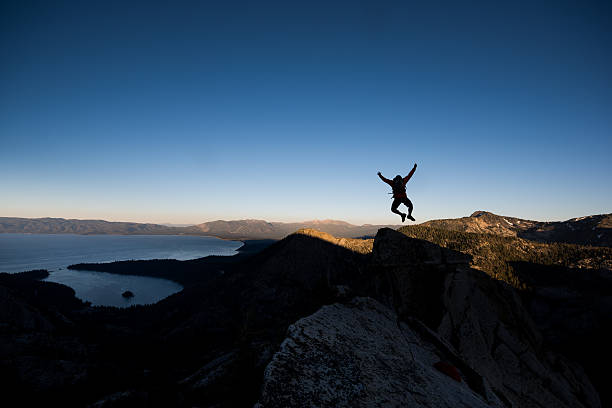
(186, 112)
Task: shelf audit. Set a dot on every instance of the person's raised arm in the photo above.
(386, 180)
(410, 174)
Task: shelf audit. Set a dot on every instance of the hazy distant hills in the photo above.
(84, 227)
(591, 230)
(275, 230)
(241, 229)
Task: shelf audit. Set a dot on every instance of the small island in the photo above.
(127, 294)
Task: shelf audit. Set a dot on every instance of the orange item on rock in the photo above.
(449, 370)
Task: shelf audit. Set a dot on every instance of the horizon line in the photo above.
(326, 220)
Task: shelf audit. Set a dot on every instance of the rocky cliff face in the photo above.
(360, 354)
(572, 308)
(457, 314)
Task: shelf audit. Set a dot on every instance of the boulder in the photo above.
(359, 354)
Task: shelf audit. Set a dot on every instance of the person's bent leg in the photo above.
(396, 203)
(408, 204)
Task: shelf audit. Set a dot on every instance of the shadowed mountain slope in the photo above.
(213, 343)
(494, 253)
(417, 280)
(566, 289)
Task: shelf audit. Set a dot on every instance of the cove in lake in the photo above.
(54, 252)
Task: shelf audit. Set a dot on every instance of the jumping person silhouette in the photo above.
(398, 184)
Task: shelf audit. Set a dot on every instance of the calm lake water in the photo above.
(54, 252)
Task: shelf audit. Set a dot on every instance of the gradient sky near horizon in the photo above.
(190, 111)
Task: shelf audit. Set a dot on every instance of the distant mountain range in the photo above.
(259, 229)
(240, 229)
(593, 230)
(83, 227)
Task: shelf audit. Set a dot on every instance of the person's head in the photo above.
(397, 178)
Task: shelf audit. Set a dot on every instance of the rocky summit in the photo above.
(315, 320)
(431, 308)
(360, 354)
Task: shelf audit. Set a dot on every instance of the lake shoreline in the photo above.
(58, 262)
(186, 272)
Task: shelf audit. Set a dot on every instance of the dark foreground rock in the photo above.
(460, 315)
(360, 354)
(572, 308)
(382, 322)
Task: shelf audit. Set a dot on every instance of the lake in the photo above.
(54, 252)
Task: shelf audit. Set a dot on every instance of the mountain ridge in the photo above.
(225, 229)
(594, 230)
